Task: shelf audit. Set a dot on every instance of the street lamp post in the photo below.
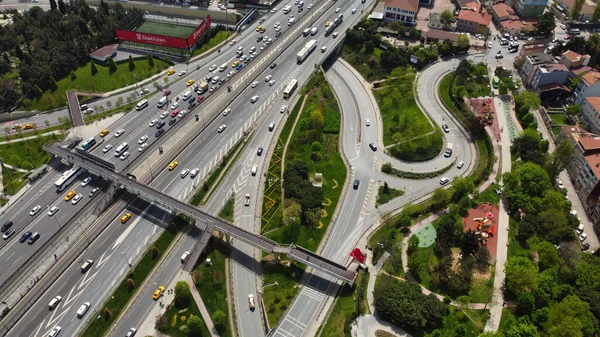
(58, 223)
(126, 259)
(82, 231)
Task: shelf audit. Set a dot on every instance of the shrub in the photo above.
(130, 284)
(155, 252)
(107, 314)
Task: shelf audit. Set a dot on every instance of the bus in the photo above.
(67, 178)
(289, 90)
(88, 144)
(122, 148)
(496, 82)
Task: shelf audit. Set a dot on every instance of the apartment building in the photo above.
(404, 11)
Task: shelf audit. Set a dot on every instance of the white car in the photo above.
(273, 10)
(335, 34)
(194, 172)
(353, 10)
(153, 122)
(53, 211)
(212, 68)
(232, 42)
(231, 73)
(367, 122)
(181, 73)
(86, 181)
(184, 173)
(182, 113)
(107, 148)
(211, 89)
(283, 108)
(276, 25)
(560, 184)
(337, 10)
(268, 78)
(221, 128)
(215, 80)
(226, 111)
(35, 210)
(131, 332)
(142, 147)
(143, 139)
(55, 331)
(277, 30)
(175, 105)
(124, 155)
(323, 49)
(162, 116)
(119, 133)
(83, 309)
(582, 237)
(271, 82)
(309, 6)
(76, 199)
(460, 165)
(254, 99)
(489, 44)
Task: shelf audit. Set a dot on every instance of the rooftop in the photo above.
(594, 102)
(104, 52)
(515, 24)
(591, 77)
(551, 67)
(408, 5)
(580, 70)
(442, 35)
(573, 56)
(482, 18)
(551, 87)
(503, 10)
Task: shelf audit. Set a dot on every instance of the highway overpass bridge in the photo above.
(106, 170)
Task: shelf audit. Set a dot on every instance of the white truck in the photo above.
(202, 87)
(306, 50)
(287, 9)
(448, 151)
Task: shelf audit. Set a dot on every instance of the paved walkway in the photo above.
(147, 327)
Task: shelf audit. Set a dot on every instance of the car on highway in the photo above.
(221, 128)
(268, 78)
(323, 49)
(86, 181)
(158, 292)
(200, 98)
(273, 65)
(489, 44)
(337, 10)
(190, 82)
(254, 84)
(54, 302)
(124, 155)
(194, 172)
(446, 128)
(251, 302)
(55, 331)
(167, 92)
(25, 236)
(184, 173)
(125, 217)
(254, 99)
(172, 121)
(271, 82)
(460, 165)
(103, 133)
(76, 199)
(83, 309)
(444, 181)
(181, 73)
(184, 256)
(107, 148)
(160, 125)
(215, 80)
(93, 191)
(247, 200)
(175, 105)
(353, 10)
(170, 72)
(373, 146)
(35, 210)
(131, 332)
(173, 165)
(259, 151)
(367, 122)
(159, 133)
(70, 195)
(259, 38)
(335, 34)
(6, 226)
(226, 111)
(259, 28)
(212, 68)
(283, 109)
(142, 139)
(175, 113)
(8, 233)
(86, 266)
(274, 10)
(163, 115)
(142, 147)
(231, 73)
(499, 56)
(235, 64)
(309, 6)
(33, 238)
(53, 210)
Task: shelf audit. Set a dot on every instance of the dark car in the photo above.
(160, 125)
(356, 183)
(6, 226)
(25, 236)
(258, 39)
(221, 81)
(172, 121)
(373, 146)
(167, 93)
(259, 151)
(34, 237)
(585, 246)
(192, 105)
(446, 128)
(273, 65)
(159, 132)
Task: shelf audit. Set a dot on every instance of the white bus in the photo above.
(289, 90)
(67, 178)
(142, 104)
(122, 148)
(88, 144)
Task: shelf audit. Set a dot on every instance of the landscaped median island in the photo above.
(117, 301)
(182, 317)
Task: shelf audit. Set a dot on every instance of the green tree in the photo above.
(572, 314)
(528, 98)
(596, 15)
(220, 320)
(131, 63)
(470, 243)
(441, 196)
(150, 61)
(73, 76)
(574, 110)
(547, 255)
(447, 16)
(292, 213)
(38, 90)
(522, 329)
(112, 66)
(559, 159)
(316, 123)
(195, 325)
(463, 186)
(520, 274)
(576, 10)
(93, 68)
(546, 24)
(53, 84)
(182, 291)
(462, 42)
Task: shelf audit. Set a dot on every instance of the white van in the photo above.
(184, 257)
(223, 67)
(314, 31)
(287, 9)
(254, 169)
(54, 302)
(162, 102)
(122, 148)
(306, 32)
(187, 95)
(291, 21)
(142, 104)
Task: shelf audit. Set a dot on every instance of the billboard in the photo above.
(198, 32)
(147, 38)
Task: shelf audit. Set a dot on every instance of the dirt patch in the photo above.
(484, 221)
(482, 276)
(485, 110)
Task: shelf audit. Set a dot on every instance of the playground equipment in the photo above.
(485, 227)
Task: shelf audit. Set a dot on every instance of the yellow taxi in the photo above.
(28, 126)
(125, 217)
(234, 64)
(173, 165)
(190, 82)
(259, 28)
(104, 133)
(158, 292)
(70, 195)
(170, 72)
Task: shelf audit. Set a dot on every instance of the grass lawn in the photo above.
(176, 317)
(167, 29)
(403, 121)
(119, 298)
(329, 161)
(12, 186)
(29, 153)
(220, 37)
(386, 195)
(556, 130)
(481, 290)
(102, 81)
(558, 119)
(277, 298)
(227, 211)
(210, 282)
(345, 309)
(478, 87)
(489, 195)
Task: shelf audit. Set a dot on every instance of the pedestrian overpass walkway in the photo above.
(106, 170)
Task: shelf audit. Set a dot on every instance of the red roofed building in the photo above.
(474, 21)
(590, 114)
(589, 86)
(572, 59)
(404, 11)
